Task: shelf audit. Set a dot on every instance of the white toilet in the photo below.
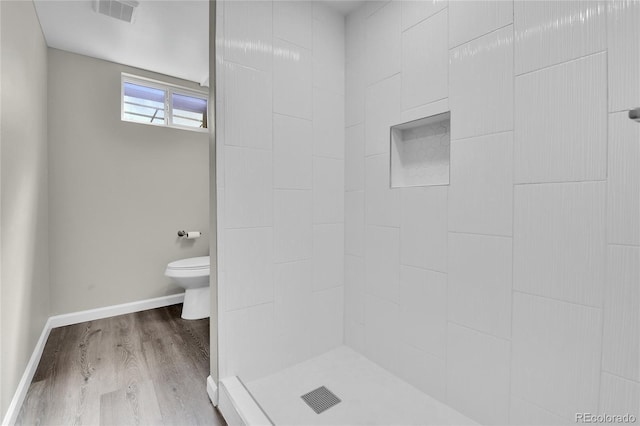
(193, 275)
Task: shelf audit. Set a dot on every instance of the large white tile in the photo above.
(414, 11)
(329, 50)
(327, 320)
(354, 158)
(249, 286)
(247, 99)
(550, 32)
(434, 108)
(382, 110)
(480, 283)
(382, 264)
(481, 85)
(381, 332)
(354, 223)
(328, 124)
(559, 241)
(292, 21)
(623, 35)
(472, 19)
(292, 225)
(478, 375)
(355, 91)
(423, 228)
(619, 396)
(423, 310)
(328, 190)
(248, 28)
(292, 294)
(328, 256)
(381, 202)
(292, 80)
(623, 183)
(523, 413)
(621, 338)
(425, 62)
(354, 288)
(481, 188)
(354, 335)
(292, 153)
(383, 42)
(422, 370)
(355, 34)
(249, 198)
(250, 331)
(556, 354)
(561, 122)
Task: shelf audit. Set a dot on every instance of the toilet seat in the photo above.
(190, 264)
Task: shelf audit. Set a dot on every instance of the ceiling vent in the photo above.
(123, 10)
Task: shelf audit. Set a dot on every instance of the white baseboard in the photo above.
(212, 391)
(74, 318)
(238, 406)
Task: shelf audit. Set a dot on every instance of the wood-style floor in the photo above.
(145, 368)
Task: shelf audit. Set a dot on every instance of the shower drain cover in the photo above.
(320, 399)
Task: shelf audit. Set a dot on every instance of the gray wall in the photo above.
(119, 191)
(24, 293)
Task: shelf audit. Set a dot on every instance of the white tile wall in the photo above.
(354, 288)
(621, 338)
(623, 183)
(481, 188)
(328, 256)
(523, 413)
(248, 99)
(354, 223)
(550, 32)
(328, 190)
(423, 227)
(247, 34)
(254, 285)
(619, 396)
(561, 122)
(327, 322)
(382, 265)
(472, 19)
(623, 36)
(292, 153)
(292, 225)
(381, 202)
(354, 158)
(481, 85)
(354, 335)
(479, 293)
(424, 62)
(355, 91)
(249, 197)
(478, 375)
(383, 42)
(422, 370)
(556, 354)
(292, 22)
(328, 123)
(423, 310)
(559, 241)
(382, 110)
(414, 11)
(292, 80)
(329, 51)
(355, 34)
(381, 325)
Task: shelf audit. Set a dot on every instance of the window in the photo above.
(153, 102)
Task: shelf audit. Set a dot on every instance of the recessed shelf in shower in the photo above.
(420, 152)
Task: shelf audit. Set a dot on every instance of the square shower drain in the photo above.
(320, 399)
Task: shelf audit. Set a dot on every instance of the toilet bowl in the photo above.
(193, 275)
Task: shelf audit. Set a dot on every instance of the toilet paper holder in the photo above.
(186, 233)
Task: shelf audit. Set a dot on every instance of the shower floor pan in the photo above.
(369, 395)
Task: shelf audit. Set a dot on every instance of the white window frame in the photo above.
(169, 90)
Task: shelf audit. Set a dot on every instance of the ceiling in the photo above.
(167, 36)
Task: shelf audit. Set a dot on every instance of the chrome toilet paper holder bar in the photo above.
(182, 233)
(634, 114)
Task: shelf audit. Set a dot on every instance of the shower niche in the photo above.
(420, 152)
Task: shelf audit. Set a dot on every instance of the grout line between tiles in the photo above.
(557, 300)
(479, 37)
(560, 63)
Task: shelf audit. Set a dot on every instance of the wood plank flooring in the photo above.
(145, 368)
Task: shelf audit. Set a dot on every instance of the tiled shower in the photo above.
(510, 294)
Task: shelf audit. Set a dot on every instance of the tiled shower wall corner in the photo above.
(280, 184)
(513, 293)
